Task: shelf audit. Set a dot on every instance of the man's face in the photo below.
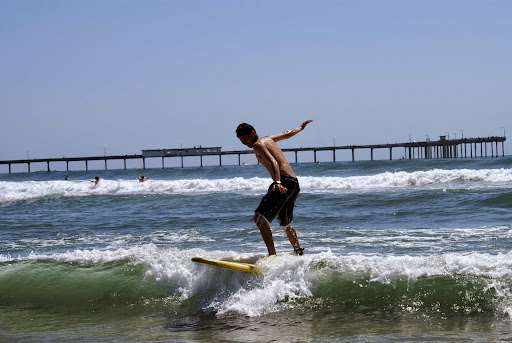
(247, 140)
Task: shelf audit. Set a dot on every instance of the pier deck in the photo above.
(442, 148)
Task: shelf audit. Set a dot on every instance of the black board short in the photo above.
(276, 204)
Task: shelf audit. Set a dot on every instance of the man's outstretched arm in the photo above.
(290, 133)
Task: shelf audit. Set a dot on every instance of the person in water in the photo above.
(142, 178)
(96, 180)
(282, 193)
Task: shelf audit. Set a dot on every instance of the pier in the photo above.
(439, 149)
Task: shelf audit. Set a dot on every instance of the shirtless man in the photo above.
(282, 193)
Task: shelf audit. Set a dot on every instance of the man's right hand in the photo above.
(305, 123)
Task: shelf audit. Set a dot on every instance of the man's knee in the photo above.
(287, 227)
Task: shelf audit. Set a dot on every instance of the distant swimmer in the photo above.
(282, 193)
(96, 180)
(142, 178)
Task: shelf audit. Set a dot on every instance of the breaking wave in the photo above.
(458, 178)
(165, 278)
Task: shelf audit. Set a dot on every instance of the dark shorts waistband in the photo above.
(289, 178)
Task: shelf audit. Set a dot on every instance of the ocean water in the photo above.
(396, 251)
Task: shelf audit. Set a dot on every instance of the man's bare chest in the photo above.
(261, 159)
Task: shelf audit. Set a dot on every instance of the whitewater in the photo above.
(27, 190)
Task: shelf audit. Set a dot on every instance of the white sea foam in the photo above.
(469, 178)
(403, 179)
(286, 280)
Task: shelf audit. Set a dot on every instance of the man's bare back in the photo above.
(267, 144)
(268, 152)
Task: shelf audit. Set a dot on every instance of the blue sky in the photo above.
(79, 77)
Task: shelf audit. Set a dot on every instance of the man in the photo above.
(282, 193)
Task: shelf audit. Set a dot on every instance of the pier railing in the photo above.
(442, 148)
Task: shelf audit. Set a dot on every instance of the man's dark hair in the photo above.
(244, 129)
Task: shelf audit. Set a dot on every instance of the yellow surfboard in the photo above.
(240, 266)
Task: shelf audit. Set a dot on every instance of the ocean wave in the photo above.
(401, 179)
(458, 178)
(447, 284)
(13, 191)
